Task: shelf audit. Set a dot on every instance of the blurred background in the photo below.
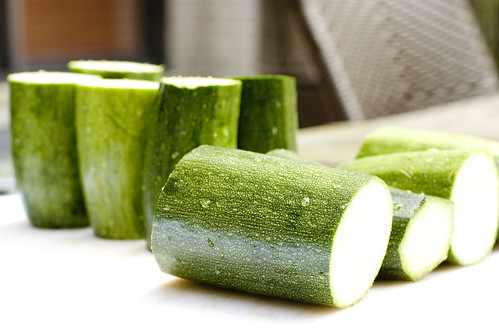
(353, 60)
(191, 37)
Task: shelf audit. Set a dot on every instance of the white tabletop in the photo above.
(70, 280)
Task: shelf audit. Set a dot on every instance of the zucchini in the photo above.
(193, 111)
(43, 139)
(272, 226)
(269, 116)
(420, 238)
(114, 69)
(290, 155)
(396, 139)
(421, 231)
(468, 178)
(113, 121)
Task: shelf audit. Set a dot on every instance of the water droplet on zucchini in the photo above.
(205, 203)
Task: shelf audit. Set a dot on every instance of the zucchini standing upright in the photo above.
(193, 111)
(42, 110)
(269, 116)
(272, 226)
(114, 118)
(115, 69)
(468, 178)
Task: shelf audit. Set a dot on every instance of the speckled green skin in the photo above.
(113, 126)
(405, 205)
(44, 153)
(428, 172)
(290, 155)
(431, 172)
(252, 222)
(126, 73)
(188, 118)
(269, 116)
(392, 139)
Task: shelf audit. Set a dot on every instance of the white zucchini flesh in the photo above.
(360, 244)
(112, 65)
(422, 251)
(475, 187)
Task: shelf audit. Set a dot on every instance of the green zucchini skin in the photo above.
(44, 148)
(189, 116)
(290, 155)
(269, 116)
(113, 121)
(432, 172)
(114, 69)
(395, 139)
(252, 222)
(406, 205)
(428, 172)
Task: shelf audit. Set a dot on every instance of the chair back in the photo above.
(389, 56)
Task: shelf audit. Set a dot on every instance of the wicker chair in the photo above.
(388, 56)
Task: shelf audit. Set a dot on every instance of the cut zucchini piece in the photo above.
(42, 113)
(396, 139)
(272, 226)
(114, 119)
(468, 178)
(420, 238)
(269, 113)
(290, 155)
(193, 111)
(114, 69)
(421, 230)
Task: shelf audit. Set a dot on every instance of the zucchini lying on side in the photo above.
(420, 238)
(115, 69)
(394, 139)
(114, 118)
(468, 178)
(42, 120)
(272, 226)
(290, 155)
(193, 111)
(421, 230)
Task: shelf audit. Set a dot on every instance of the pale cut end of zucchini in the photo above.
(426, 242)
(113, 66)
(360, 243)
(194, 82)
(43, 77)
(121, 84)
(475, 195)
